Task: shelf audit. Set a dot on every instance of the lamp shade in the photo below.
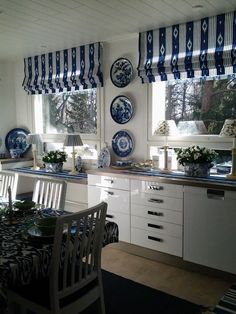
(73, 140)
(229, 128)
(192, 127)
(33, 138)
(166, 128)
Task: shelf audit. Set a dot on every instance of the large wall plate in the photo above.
(122, 143)
(121, 72)
(16, 139)
(121, 109)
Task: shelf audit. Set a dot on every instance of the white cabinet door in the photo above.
(76, 197)
(210, 228)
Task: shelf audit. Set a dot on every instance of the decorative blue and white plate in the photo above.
(121, 109)
(121, 72)
(104, 158)
(16, 139)
(122, 143)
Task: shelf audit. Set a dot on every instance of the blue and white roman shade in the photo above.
(202, 48)
(65, 70)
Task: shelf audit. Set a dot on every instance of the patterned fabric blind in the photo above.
(66, 70)
(202, 48)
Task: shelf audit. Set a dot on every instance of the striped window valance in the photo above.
(65, 70)
(203, 48)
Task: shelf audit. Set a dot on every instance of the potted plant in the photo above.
(53, 160)
(196, 160)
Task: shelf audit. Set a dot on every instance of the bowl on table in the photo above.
(24, 205)
(46, 225)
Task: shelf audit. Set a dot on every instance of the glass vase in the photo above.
(197, 170)
(54, 167)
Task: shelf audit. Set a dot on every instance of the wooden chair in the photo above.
(50, 193)
(8, 179)
(74, 281)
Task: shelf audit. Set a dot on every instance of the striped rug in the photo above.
(227, 304)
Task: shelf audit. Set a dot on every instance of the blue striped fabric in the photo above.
(62, 71)
(203, 48)
(227, 304)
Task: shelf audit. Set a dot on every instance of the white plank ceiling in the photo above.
(30, 27)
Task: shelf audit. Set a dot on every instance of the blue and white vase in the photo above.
(53, 167)
(197, 170)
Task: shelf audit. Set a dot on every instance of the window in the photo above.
(79, 112)
(199, 109)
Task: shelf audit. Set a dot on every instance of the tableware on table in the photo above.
(122, 143)
(104, 158)
(16, 140)
(46, 225)
(34, 231)
(24, 205)
(121, 72)
(121, 109)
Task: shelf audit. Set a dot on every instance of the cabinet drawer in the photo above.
(117, 200)
(109, 181)
(157, 214)
(123, 222)
(77, 192)
(156, 201)
(156, 188)
(152, 240)
(158, 227)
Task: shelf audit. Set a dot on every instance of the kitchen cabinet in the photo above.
(157, 216)
(210, 227)
(116, 192)
(76, 197)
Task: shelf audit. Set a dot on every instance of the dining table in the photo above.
(25, 256)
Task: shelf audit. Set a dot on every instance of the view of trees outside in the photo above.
(210, 101)
(71, 112)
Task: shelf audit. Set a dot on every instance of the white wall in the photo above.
(7, 101)
(137, 92)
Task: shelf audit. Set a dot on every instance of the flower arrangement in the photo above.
(195, 154)
(54, 156)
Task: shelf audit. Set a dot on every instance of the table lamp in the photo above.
(73, 140)
(229, 130)
(166, 128)
(36, 141)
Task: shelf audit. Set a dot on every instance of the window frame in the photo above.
(209, 141)
(95, 139)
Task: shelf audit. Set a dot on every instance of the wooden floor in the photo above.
(195, 287)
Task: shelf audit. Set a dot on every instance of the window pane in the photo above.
(198, 107)
(70, 112)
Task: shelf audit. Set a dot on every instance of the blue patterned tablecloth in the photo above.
(23, 259)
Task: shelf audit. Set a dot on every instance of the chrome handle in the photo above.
(155, 226)
(109, 180)
(155, 187)
(216, 194)
(155, 200)
(155, 213)
(110, 216)
(110, 193)
(155, 239)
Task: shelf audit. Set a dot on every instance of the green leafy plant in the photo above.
(195, 154)
(54, 156)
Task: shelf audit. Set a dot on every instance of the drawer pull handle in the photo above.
(109, 180)
(155, 200)
(155, 187)
(155, 226)
(155, 239)
(155, 213)
(110, 193)
(215, 194)
(109, 216)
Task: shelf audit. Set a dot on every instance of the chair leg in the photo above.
(100, 301)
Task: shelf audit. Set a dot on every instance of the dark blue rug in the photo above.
(124, 296)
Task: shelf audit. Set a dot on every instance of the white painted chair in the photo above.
(50, 193)
(8, 179)
(75, 280)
